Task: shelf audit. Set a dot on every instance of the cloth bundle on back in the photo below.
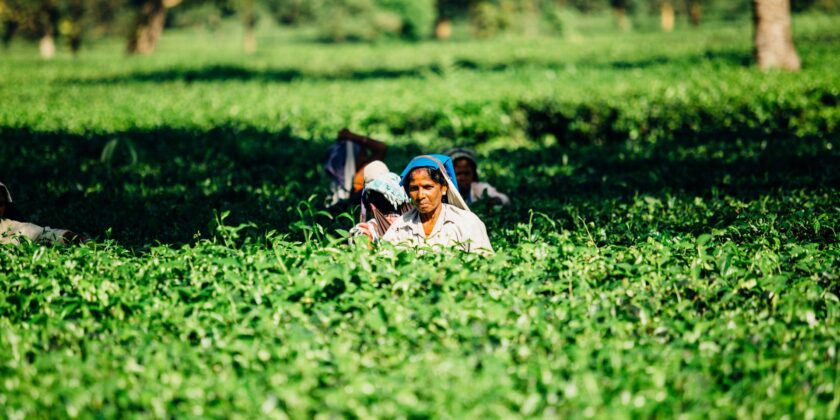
(340, 165)
(344, 163)
(383, 197)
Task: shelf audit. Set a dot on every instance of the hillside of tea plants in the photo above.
(671, 248)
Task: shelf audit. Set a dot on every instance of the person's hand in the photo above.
(345, 134)
(366, 229)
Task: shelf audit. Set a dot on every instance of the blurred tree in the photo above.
(620, 10)
(249, 22)
(531, 11)
(8, 22)
(148, 24)
(46, 23)
(107, 17)
(72, 22)
(446, 11)
(417, 16)
(293, 12)
(666, 15)
(246, 9)
(586, 6)
(47, 20)
(695, 11)
(487, 18)
(831, 6)
(344, 20)
(773, 39)
(368, 20)
(37, 19)
(528, 17)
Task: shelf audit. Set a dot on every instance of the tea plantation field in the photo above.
(671, 248)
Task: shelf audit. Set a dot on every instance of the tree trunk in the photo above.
(666, 14)
(75, 13)
(531, 18)
(620, 11)
(147, 28)
(250, 41)
(9, 29)
(773, 39)
(443, 29)
(75, 42)
(47, 21)
(249, 21)
(695, 12)
(47, 46)
(621, 18)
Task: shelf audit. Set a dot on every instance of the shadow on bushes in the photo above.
(159, 185)
(164, 185)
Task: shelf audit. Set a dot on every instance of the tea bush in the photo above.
(671, 247)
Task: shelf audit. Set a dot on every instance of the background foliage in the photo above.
(671, 249)
(86, 21)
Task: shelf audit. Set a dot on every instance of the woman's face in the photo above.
(425, 192)
(464, 173)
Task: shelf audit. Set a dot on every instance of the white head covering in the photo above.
(5, 191)
(374, 170)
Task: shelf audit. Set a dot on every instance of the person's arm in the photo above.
(74, 238)
(14, 230)
(377, 148)
(11, 231)
(493, 195)
(56, 236)
(49, 235)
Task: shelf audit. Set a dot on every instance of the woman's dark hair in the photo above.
(12, 212)
(472, 164)
(434, 173)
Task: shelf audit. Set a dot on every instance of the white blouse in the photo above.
(454, 227)
(478, 189)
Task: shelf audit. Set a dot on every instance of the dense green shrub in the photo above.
(671, 249)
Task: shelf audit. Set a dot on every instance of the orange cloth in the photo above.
(359, 180)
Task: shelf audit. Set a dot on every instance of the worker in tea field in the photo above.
(440, 216)
(345, 163)
(12, 229)
(466, 171)
(382, 197)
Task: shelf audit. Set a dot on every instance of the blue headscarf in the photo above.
(425, 161)
(435, 162)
